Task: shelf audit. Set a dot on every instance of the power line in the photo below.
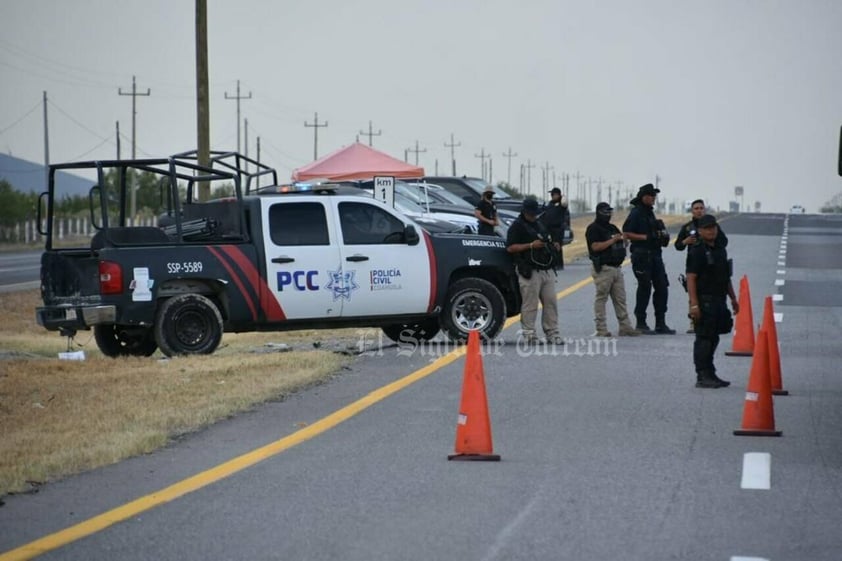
(76, 121)
(25, 115)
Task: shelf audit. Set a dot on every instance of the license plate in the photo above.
(70, 314)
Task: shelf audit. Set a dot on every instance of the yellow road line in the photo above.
(223, 470)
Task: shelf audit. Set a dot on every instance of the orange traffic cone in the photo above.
(774, 352)
(473, 429)
(743, 343)
(758, 408)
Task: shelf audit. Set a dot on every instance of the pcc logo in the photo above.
(299, 280)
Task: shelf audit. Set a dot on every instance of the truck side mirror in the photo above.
(410, 235)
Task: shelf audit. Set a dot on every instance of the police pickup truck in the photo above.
(189, 267)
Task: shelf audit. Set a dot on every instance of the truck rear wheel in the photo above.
(473, 304)
(412, 332)
(120, 340)
(188, 324)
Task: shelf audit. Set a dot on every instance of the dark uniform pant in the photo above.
(715, 316)
(648, 267)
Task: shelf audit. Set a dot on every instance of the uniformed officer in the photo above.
(486, 213)
(708, 284)
(648, 235)
(688, 235)
(556, 217)
(535, 255)
(607, 250)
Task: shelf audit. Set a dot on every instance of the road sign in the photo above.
(384, 189)
(738, 191)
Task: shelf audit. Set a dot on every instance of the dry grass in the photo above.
(62, 417)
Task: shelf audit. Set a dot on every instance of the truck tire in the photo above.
(473, 303)
(422, 331)
(188, 324)
(120, 340)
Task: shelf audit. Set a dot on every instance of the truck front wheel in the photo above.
(473, 304)
(188, 324)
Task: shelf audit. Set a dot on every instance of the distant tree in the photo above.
(834, 205)
(15, 206)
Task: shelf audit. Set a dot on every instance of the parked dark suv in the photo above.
(471, 188)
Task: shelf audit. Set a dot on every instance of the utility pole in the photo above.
(202, 95)
(482, 156)
(134, 94)
(118, 140)
(546, 175)
(416, 151)
(371, 134)
(46, 146)
(490, 169)
(509, 155)
(657, 181)
(315, 126)
(452, 146)
(529, 165)
(238, 97)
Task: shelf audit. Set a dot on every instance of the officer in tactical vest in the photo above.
(607, 250)
(648, 235)
(556, 217)
(486, 213)
(708, 284)
(535, 254)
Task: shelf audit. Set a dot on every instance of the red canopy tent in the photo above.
(356, 161)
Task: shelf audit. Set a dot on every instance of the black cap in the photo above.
(555, 191)
(647, 189)
(706, 221)
(531, 206)
(604, 207)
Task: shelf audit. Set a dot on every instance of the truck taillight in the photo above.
(110, 278)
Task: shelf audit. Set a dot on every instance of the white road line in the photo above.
(779, 282)
(757, 471)
(781, 263)
(506, 533)
(779, 317)
(777, 297)
(781, 272)
(741, 558)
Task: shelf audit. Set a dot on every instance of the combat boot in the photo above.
(642, 327)
(707, 379)
(628, 331)
(722, 383)
(662, 328)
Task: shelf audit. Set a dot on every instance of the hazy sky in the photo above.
(707, 94)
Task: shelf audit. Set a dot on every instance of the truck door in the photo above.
(387, 275)
(300, 242)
